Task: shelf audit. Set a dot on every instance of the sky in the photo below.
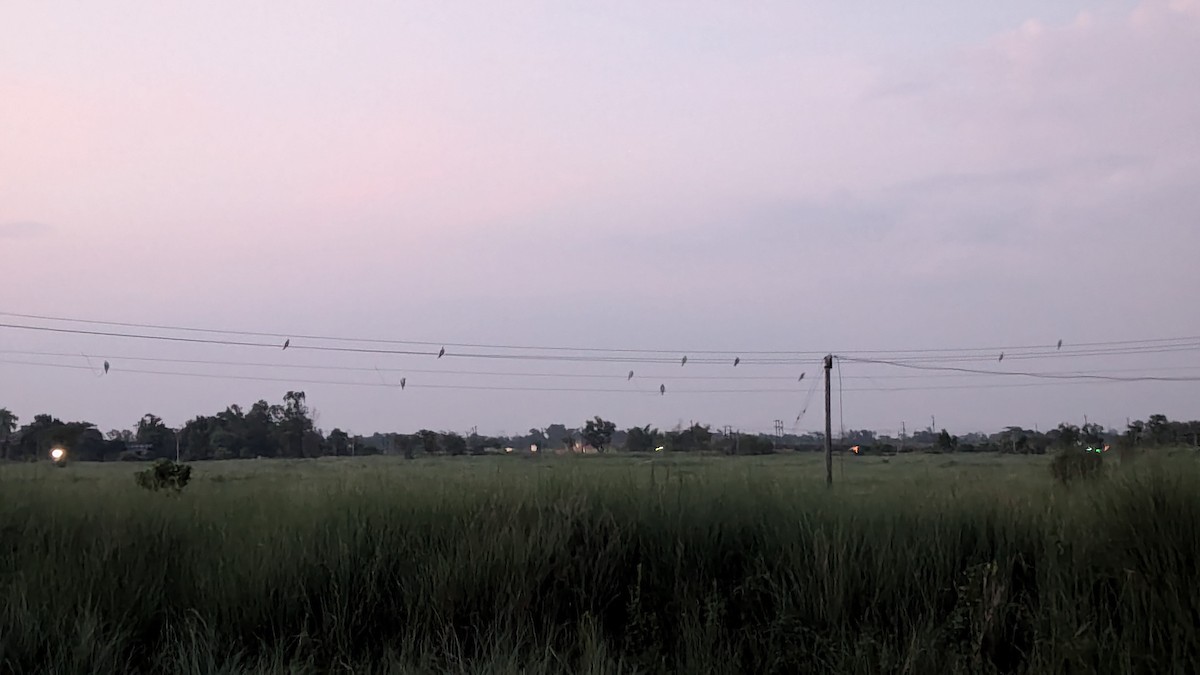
(685, 177)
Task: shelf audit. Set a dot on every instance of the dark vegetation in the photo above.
(289, 430)
(164, 475)
(602, 565)
(1074, 464)
(650, 563)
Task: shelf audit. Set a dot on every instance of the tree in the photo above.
(153, 432)
(295, 426)
(453, 444)
(1013, 439)
(258, 430)
(695, 438)
(1092, 435)
(34, 439)
(1159, 429)
(641, 439)
(8, 426)
(480, 444)
(557, 433)
(598, 433)
(339, 442)
(87, 443)
(946, 442)
(751, 444)
(429, 441)
(406, 444)
(122, 435)
(860, 437)
(1065, 436)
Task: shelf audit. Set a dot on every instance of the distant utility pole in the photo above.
(779, 428)
(932, 424)
(903, 433)
(828, 422)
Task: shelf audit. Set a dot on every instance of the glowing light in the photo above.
(508, 449)
(659, 449)
(57, 454)
(854, 449)
(533, 448)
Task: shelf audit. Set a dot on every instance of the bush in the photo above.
(1072, 464)
(165, 474)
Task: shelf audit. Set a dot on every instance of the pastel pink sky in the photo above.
(661, 175)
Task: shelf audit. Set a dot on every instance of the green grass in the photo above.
(923, 564)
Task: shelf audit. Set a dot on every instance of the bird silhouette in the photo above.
(662, 389)
(287, 343)
(403, 381)
(801, 377)
(442, 353)
(736, 361)
(106, 367)
(1001, 357)
(1060, 344)
(630, 376)
(683, 362)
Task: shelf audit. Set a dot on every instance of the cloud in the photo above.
(23, 230)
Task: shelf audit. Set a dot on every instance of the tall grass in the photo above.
(601, 566)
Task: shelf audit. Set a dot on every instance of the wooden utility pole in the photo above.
(828, 422)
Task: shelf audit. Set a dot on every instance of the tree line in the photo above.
(289, 430)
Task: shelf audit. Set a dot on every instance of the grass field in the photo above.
(918, 564)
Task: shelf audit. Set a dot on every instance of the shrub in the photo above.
(165, 474)
(1072, 464)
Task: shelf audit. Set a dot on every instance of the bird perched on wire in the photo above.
(1001, 357)
(662, 389)
(442, 352)
(403, 381)
(630, 376)
(106, 367)
(801, 377)
(1059, 344)
(287, 343)
(736, 360)
(683, 362)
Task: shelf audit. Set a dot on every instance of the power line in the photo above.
(392, 352)
(418, 385)
(573, 358)
(963, 352)
(410, 385)
(294, 366)
(1049, 376)
(1054, 354)
(117, 357)
(424, 343)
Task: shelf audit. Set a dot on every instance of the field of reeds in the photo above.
(912, 564)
